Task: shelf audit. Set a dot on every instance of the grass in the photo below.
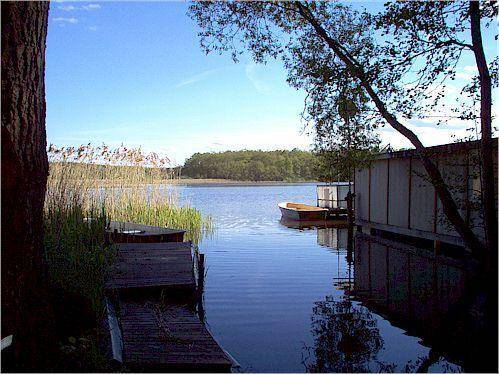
(166, 215)
(87, 187)
(125, 187)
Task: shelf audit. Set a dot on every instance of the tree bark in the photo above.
(26, 310)
(487, 161)
(448, 204)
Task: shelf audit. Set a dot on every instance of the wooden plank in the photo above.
(387, 190)
(129, 232)
(166, 337)
(164, 265)
(422, 199)
(454, 172)
(153, 246)
(378, 192)
(362, 194)
(409, 197)
(398, 186)
(412, 232)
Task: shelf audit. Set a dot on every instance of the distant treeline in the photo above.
(292, 165)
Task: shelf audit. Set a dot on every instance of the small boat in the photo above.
(302, 212)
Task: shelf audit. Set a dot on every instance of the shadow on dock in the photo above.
(155, 305)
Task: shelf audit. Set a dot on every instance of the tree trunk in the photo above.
(487, 161)
(26, 310)
(448, 204)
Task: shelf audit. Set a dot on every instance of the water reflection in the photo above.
(264, 280)
(423, 294)
(414, 287)
(430, 296)
(310, 225)
(346, 337)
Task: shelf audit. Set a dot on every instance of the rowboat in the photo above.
(302, 212)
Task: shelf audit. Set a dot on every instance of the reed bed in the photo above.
(88, 187)
(129, 184)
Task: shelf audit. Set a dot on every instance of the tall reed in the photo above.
(87, 187)
(129, 184)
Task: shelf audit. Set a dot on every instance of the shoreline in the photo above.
(201, 182)
(229, 182)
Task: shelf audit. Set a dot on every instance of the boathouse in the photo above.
(393, 194)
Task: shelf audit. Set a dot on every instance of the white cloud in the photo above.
(91, 7)
(92, 28)
(196, 78)
(429, 135)
(252, 75)
(467, 72)
(72, 20)
(71, 8)
(266, 134)
(466, 76)
(67, 8)
(471, 68)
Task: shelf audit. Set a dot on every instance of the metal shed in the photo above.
(394, 193)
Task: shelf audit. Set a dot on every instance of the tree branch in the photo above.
(448, 203)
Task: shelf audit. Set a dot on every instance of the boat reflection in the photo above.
(427, 295)
(316, 224)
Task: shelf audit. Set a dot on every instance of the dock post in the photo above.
(201, 272)
(349, 200)
(436, 247)
(200, 287)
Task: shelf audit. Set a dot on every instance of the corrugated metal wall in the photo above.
(398, 209)
(362, 193)
(396, 192)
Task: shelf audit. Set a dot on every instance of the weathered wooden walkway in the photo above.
(153, 265)
(151, 335)
(168, 337)
(129, 232)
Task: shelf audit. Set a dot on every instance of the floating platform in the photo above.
(129, 232)
(159, 337)
(153, 266)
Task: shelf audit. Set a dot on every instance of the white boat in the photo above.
(302, 212)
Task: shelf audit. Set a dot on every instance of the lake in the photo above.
(285, 299)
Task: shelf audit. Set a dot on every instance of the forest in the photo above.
(257, 165)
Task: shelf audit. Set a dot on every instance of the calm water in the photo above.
(291, 300)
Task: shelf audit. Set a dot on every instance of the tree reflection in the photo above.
(346, 337)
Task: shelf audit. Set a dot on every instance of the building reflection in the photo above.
(333, 237)
(412, 286)
(431, 296)
(434, 297)
(427, 295)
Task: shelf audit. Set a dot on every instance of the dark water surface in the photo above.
(285, 299)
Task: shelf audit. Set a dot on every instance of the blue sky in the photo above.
(133, 73)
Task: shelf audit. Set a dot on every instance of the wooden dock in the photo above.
(168, 338)
(129, 232)
(149, 334)
(153, 266)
